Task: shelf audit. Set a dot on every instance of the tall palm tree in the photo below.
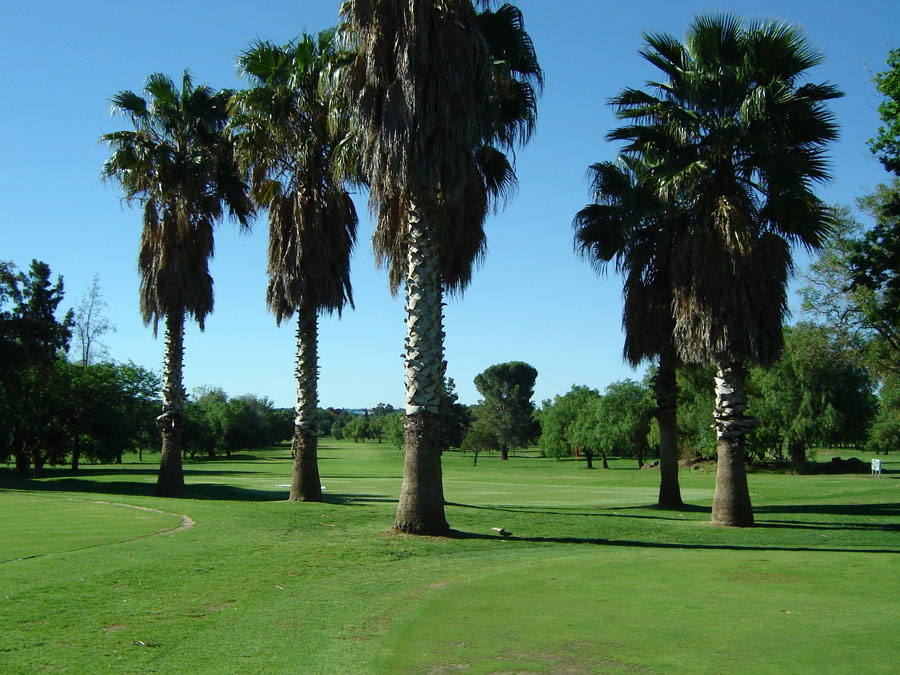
(179, 165)
(738, 138)
(428, 101)
(291, 135)
(628, 222)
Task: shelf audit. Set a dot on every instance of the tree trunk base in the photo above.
(170, 482)
(421, 507)
(731, 503)
(305, 483)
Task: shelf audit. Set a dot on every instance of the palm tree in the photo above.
(733, 135)
(628, 222)
(178, 164)
(433, 115)
(290, 134)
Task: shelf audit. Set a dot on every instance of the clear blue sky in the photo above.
(531, 301)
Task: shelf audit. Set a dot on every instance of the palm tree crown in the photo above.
(741, 142)
(291, 134)
(178, 164)
(630, 225)
(510, 109)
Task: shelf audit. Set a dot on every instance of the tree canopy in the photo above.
(507, 389)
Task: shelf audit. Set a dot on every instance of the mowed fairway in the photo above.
(593, 579)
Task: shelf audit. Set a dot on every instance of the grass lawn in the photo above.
(593, 579)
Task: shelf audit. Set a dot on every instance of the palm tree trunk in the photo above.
(421, 506)
(731, 503)
(665, 388)
(170, 482)
(305, 484)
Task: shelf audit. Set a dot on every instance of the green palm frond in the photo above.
(290, 132)
(178, 164)
(459, 179)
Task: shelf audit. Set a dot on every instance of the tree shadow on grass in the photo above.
(848, 510)
(201, 491)
(627, 543)
(358, 500)
(605, 511)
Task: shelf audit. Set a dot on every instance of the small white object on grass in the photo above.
(501, 531)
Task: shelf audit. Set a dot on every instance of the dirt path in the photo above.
(186, 521)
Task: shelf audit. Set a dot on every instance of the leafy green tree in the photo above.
(830, 299)
(392, 429)
(884, 433)
(108, 409)
(739, 140)
(357, 429)
(874, 271)
(696, 404)
(291, 135)
(32, 340)
(220, 424)
(886, 144)
(480, 435)
(179, 165)
(587, 433)
(626, 409)
(507, 389)
(455, 417)
(325, 418)
(816, 393)
(139, 397)
(376, 428)
(433, 158)
(558, 417)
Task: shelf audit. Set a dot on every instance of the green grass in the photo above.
(592, 579)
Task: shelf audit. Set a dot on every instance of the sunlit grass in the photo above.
(592, 579)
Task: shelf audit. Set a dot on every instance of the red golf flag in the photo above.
(576, 452)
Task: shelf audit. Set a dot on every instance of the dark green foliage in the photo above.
(50, 409)
(507, 389)
(815, 394)
(29, 330)
(625, 411)
(216, 424)
(853, 286)
(696, 401)
(455, 417)
(109, 409)
(31, 339)
(559, 417)
(874, 270)
(392, 429)
(884, 434)
(480, 435)
(357, 428)
(886, 144)
(614, 423)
